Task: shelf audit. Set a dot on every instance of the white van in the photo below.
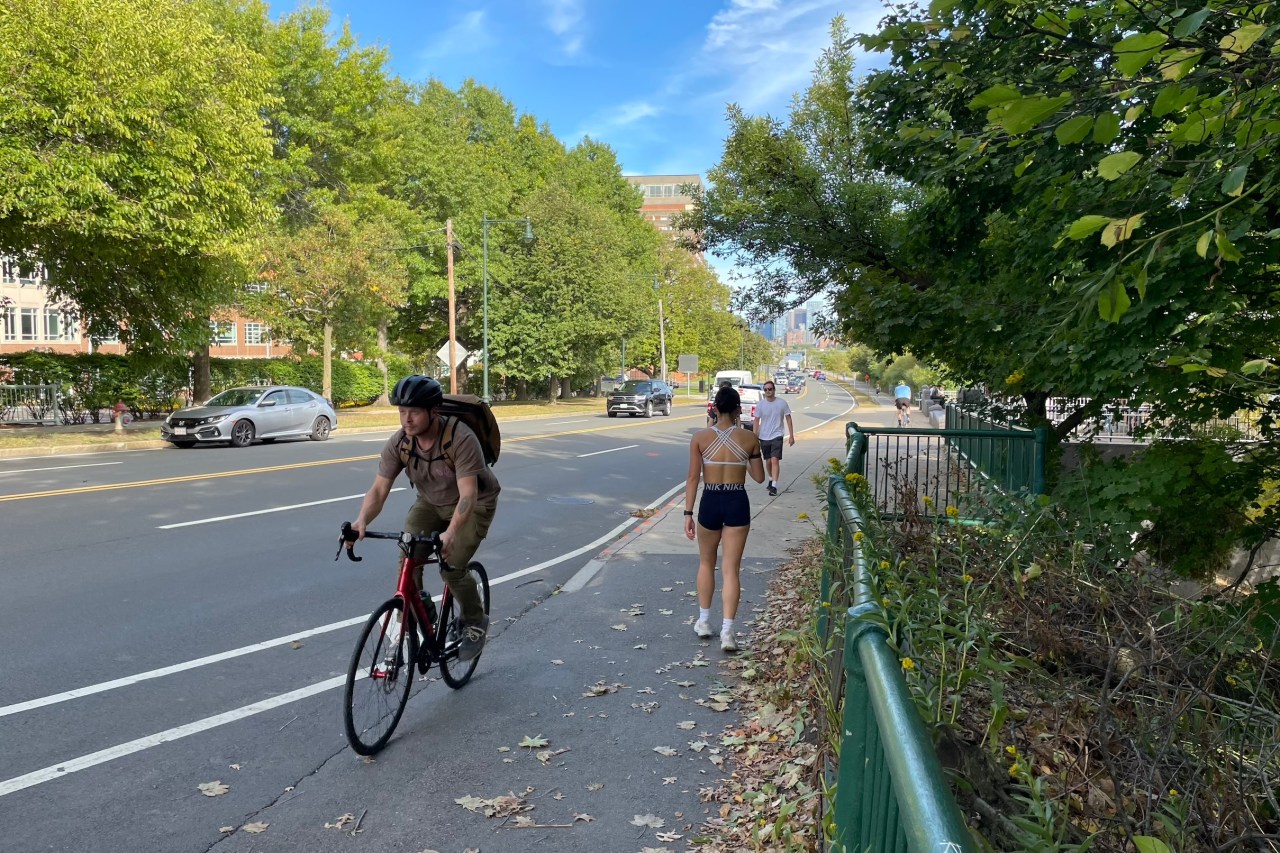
(733, 377)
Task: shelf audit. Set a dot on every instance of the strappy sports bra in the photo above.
(723, 439)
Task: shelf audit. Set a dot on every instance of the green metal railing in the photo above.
(891, 794)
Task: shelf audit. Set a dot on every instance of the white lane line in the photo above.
(65, 768)
(613, 450)
(265, 511)
(372, 440)
(91, 689)
(562, 423)
(60, 467)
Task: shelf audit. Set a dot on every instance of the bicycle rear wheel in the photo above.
(455, 672)
(379, 678)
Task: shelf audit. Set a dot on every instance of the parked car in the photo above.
(639, 397)
(241, 415)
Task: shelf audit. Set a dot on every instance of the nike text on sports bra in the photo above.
(724, 487)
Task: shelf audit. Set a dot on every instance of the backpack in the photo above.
(473, 412)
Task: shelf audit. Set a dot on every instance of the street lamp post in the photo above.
(485, 222)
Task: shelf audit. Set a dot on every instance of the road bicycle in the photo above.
(381, 672)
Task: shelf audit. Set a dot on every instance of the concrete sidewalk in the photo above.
(608, 672)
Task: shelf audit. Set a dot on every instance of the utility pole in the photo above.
(662, 330)
(453, 322)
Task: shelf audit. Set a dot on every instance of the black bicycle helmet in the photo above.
(417, 392)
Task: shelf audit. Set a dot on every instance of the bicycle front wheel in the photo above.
(455, 672)
(379, 678)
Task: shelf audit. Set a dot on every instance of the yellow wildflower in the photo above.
(952, 512)
(854, 479)
(858, 537)
(1014, 769)
(1231, 679)
(1173, 792)
(908, 664)
(928, 501)
(967, 578)
(826, 604)
(1011, 749)
(885, 600)
(804, 516)
(833, 461)
(884, 564)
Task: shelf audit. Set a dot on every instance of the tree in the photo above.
(328, 276)
(133, 137)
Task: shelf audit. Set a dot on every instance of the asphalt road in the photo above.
(168, 614)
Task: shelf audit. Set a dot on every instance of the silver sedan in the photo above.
(241, 415)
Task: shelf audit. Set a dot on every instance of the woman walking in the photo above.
(721, 456)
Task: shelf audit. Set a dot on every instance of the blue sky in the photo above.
(651, 79)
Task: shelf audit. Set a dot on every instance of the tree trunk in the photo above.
(201, 379)
(565, 390)
(326, 384)
(384, 399)
(522, 389)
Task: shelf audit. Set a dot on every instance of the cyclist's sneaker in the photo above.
(473, 636)
(773, 491)
(702, 629)
(727, 642)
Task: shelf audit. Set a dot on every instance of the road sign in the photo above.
(688, 364)
(459, 351)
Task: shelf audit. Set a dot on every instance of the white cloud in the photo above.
(565, 19)
(469, 34)
(602, 126)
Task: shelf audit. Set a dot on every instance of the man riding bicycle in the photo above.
(902, 399)
(457, 493)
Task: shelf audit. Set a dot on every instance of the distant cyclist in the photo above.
(902, 399)
(457, 494)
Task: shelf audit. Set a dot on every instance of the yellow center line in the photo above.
(107, 487)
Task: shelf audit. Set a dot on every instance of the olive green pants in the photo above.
(428, 518)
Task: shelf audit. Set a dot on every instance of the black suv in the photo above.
(639, 397)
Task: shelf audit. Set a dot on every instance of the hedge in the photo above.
(154, 386)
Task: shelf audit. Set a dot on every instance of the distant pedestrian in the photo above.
(721, 456)
(770, 415)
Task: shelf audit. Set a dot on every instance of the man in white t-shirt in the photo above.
(902, 400)
(770, 414)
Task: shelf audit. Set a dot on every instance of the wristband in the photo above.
(688, 512)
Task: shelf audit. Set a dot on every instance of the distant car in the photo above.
(639, 397)
(792, 387)
(239, 416)
(750, 395)
(818, 374)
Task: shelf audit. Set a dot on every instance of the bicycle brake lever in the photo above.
(348, 540)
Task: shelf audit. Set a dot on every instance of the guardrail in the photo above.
(891, 793)
(30, 404)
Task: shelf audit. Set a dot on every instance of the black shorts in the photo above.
(724, 505)
(771, 448)
(903, 402)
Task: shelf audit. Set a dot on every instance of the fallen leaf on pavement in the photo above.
(255, 827)
(504, 749)
(686, 724)
(618, 627)
(641, 646)
(226, 829)
(668, 836)
(643, 513)
(666, 588)
(295, 645)
(648, 820)
(341, 822)
(558, 662)
(547, 754)
(595, 786)
(655, 850)
(664, 750)
(585, 818)
(668, 780)
(533, 742)
(470, 803)
(234, 766)
(213, 789)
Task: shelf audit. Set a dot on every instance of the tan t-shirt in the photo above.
(430, 471)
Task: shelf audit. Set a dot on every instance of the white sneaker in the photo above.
(728, 643)
(702, 629)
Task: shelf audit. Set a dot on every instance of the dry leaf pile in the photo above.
(770, 803)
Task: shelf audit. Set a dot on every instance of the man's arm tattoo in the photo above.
(464, 506)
